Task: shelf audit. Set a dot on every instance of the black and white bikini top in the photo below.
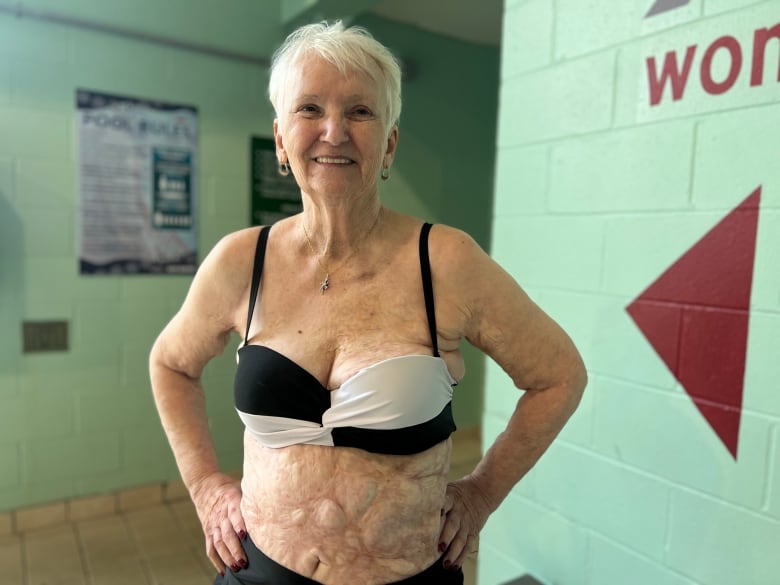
(399, 406)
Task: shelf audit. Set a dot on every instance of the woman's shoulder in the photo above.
(237, 240)
(235, 247)
(450, 246)
(441, 235)
(449, 235)
(229, 257)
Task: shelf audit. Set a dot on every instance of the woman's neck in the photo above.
(333, 232)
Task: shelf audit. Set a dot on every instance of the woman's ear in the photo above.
(392, 143)
(281, 155)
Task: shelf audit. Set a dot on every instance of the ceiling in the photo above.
(476, 22)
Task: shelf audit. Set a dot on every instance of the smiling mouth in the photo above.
(333, 160)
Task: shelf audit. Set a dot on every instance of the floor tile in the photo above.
(156, 532)
(11, 559)
(128, 571)
(95, 507)
(141, 497)
(174, 491)
(185, 514)
(52, 557)
(179, 569)
(105, 541)
(40, 517)
(6, 524)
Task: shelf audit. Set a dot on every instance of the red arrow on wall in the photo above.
(695, 315)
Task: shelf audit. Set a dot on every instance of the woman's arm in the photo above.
(539, 357)
(197, 333)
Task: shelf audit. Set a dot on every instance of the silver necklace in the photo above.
(325, 282)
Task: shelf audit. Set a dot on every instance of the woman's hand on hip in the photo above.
(465, 512)
(218, 503)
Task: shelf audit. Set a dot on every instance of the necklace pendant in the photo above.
(325, 284)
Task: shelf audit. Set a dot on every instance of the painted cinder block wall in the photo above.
(607, 175)
(82, 422)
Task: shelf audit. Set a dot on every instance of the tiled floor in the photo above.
(156, 545)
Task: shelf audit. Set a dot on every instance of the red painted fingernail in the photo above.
(442, 546)
(242, 535)
(235, 568)
(243, 563)
(446, 564)
(222, 573)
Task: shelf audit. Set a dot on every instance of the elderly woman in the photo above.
(351, 317)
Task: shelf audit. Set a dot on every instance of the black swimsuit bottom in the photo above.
(265, 571)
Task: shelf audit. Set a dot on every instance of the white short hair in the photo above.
(352, 48)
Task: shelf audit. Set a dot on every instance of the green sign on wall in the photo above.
(274, 197)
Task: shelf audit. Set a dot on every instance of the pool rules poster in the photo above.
(137, 188)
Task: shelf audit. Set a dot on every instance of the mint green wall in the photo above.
(292, 9)
(83, 421)
(597, 193)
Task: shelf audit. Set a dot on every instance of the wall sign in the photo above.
(274, 197)
(137, 187)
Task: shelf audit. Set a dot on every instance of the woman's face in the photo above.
(331, 129)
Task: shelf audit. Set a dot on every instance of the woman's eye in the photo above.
(308, 109)
(363, 112)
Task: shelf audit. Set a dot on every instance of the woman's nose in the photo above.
(335, 130)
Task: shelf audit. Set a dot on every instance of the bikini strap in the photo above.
(257, 271)
(427, 281)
